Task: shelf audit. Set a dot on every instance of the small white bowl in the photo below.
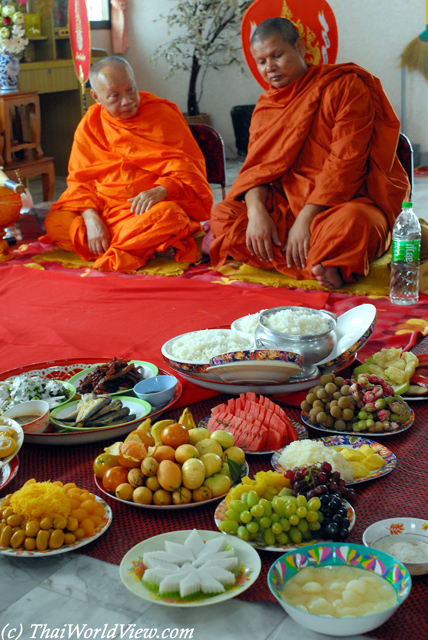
(158, 390)
(384, 533)
(38, 408)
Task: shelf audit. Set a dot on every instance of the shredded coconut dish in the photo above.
(24, 388)
(297, 322)
(404, 548)
(302, 453)
(200, 346)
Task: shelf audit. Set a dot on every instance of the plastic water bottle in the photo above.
(406, 246)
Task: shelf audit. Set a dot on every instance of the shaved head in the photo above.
(113, 87)
(276, 26)
(100, 67)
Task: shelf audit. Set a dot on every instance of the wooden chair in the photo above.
(212, 146)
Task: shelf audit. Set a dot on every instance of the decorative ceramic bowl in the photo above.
(32, 415)
(339, 553)
(353, 329)
(313, 347)
(200, 366)
(395, 531)
(158, 390)
(257, 354)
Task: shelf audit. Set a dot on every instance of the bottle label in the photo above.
(406, 250)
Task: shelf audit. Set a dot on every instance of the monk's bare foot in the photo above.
(329, 277)
(169, 253)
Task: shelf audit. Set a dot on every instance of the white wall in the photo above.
(372, 33)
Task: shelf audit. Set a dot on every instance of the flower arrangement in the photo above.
(12, 27)
(208, 39)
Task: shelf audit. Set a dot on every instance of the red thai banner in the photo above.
(314, 20)
(80, 38)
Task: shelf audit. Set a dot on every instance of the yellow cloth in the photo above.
(375, 284)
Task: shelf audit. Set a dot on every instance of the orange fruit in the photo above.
(181, 496)
(174, 435)
(113, 477)
(169, 475)
(145, 437)
(161, 496)
(163, 452)
(131, 454)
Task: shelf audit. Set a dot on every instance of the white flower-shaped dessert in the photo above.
(191, 567)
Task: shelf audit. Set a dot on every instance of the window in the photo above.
(99, 13)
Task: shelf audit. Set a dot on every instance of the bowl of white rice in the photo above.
(405, 539)
(308, 332)
(192, 352)
(247, 324)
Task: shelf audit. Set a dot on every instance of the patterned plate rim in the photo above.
(340, 440)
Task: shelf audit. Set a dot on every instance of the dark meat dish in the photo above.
(115, 375)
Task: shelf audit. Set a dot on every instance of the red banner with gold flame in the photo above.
(314, 20)
(80, 38)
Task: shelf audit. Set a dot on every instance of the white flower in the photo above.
(8, 10)
(4, 33)
(18, 18)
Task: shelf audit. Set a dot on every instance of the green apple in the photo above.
(399, 389)
(219, 484)
(195, 435)
(207, 445)
(212, 463)
(225, 438)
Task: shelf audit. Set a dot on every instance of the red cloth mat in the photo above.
(49, 316)
(402, 493)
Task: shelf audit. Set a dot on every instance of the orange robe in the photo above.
(113, 160)
(328, 138)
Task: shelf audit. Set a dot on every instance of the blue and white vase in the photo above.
(9, 72)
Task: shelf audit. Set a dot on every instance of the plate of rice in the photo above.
(191, 352)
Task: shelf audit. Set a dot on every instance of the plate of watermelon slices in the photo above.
(258, 425)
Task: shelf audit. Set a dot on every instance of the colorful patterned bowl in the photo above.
(257, 354)
(410, 530)
(339, 553)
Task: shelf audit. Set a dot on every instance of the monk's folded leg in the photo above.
(349, 237)
(67, 230)
(136, 238)
(229, 223)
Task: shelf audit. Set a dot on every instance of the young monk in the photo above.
(137, 181)
(318, 193)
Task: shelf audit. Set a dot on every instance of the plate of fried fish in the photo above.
(99, 412)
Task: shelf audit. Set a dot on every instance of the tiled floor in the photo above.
(420, 195)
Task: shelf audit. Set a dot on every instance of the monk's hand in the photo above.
(298, 241)
(297, 244)
(146, 199)
(97, 232)
(261, 233)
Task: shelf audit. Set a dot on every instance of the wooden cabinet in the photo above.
(48, 68)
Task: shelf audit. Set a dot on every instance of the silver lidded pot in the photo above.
(313, 347)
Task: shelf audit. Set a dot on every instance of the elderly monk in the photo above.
(137, 180)
(321, 186)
